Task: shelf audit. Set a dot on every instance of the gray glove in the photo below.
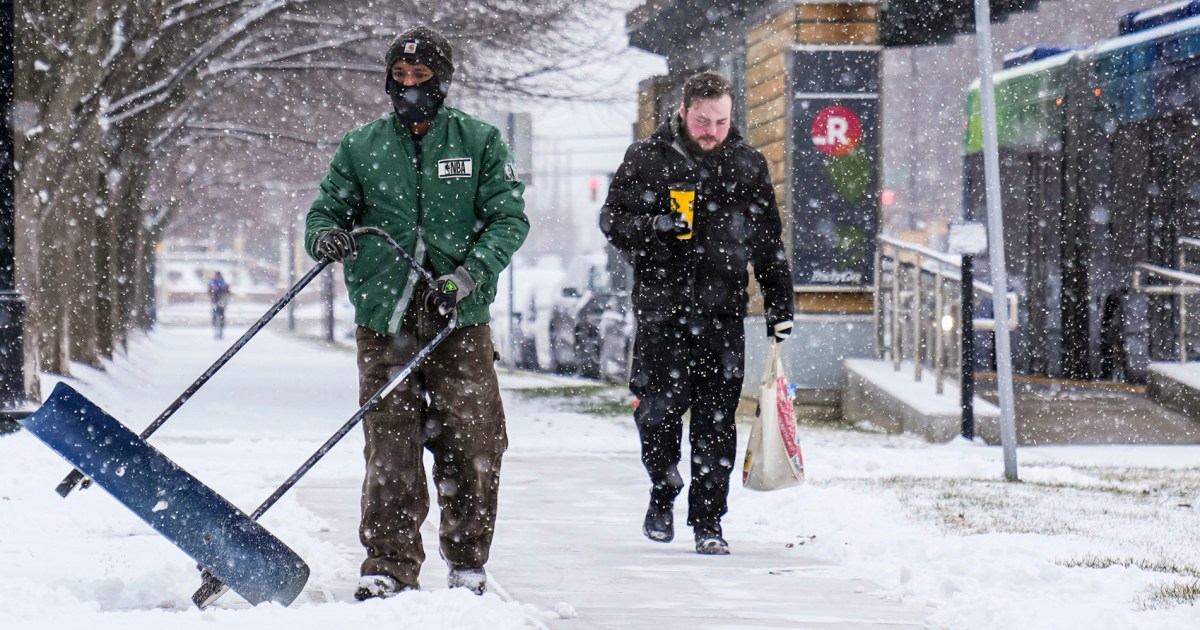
(670, 224)
(336, 244)
(452, 288)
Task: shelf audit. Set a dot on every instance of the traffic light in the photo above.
(924, 22)
(594, 187)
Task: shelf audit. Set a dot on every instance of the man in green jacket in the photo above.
(443, 185)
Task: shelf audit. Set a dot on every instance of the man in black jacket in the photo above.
(691, 207)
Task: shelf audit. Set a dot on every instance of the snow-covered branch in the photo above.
(230, 128)
(262, 61)
(158, 92)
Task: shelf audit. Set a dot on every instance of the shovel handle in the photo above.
(211, 587)
(75, 477)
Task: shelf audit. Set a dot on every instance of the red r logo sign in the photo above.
(836, 131)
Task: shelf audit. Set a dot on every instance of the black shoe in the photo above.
(659, 525)
(380, 586)
(710, 543)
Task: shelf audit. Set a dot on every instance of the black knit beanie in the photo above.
(423, 45)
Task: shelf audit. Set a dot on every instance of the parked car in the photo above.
(617, 329)
(535, 286)
(591, 324)
(574, 325)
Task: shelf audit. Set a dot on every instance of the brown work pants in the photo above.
(450, 405)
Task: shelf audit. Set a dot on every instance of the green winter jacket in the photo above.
(464, 206)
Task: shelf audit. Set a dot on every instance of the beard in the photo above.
(694, 147)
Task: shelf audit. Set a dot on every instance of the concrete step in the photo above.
(876, 395)
(1175, 386)
(1048, 411)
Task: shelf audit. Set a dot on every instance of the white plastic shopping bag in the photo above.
(773, 459)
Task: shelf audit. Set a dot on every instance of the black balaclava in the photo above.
(417, 103)
(425, 46)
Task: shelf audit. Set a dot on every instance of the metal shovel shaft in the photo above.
(356, 418)
(75, 477)
(211, 588)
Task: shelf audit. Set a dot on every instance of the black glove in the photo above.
(779, 331)
(670, 224)
(452, 288)
(336, 245)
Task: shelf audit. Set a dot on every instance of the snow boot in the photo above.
(379, 586)
(710, 543)
(659, 525)
(474, 580)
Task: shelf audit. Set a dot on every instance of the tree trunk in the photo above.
(57, 75)
(82, 295)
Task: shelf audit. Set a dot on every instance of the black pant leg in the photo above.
(718, 357)
(660, 382)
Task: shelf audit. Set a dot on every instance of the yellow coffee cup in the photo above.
(683, 201)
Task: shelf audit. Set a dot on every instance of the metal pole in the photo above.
(876, 319)
(291, 271)
(918, 341)
(1182, 301)
(1182, 315)
(939, 344)
(327, 302)
(13, 405)
(897, 346)
(966, 346)
(991, 155)
(512, 272)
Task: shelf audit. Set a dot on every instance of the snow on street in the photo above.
(888, 532)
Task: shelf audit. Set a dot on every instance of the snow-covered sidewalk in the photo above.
(889, 531)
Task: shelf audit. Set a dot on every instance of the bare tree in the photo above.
(132, 115)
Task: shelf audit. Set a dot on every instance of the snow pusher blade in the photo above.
(221, 538)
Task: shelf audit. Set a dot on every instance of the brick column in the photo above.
(767, 117)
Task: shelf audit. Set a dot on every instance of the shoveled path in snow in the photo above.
(572, 498)
(569, 540)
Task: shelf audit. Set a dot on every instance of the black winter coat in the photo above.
(736, 222)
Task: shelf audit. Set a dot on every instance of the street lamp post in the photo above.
(13, 405)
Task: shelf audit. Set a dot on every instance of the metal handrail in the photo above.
(1188, 284)
(1184, 243)
(949, 260)
(943, 327)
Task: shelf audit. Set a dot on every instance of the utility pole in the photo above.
(13, 405)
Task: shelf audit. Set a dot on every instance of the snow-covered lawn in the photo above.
(1096, 537)
(1092, 537)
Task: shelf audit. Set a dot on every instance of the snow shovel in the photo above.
(191, 515)
(212, 586)
(185, 511)
(76, 478)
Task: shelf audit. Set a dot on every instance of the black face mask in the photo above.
(417, 103)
